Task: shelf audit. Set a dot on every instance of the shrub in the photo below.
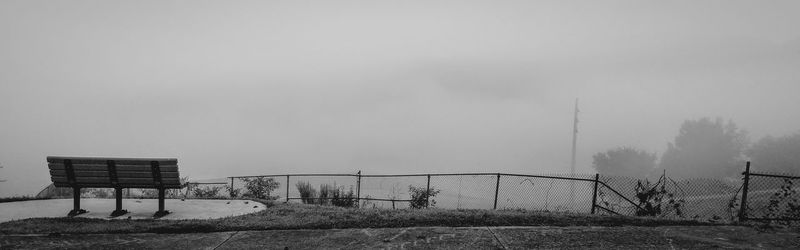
(342, 199)
(307, 192)
(652, 196)
(101, 193)
(178, 192)
(420, 197)
(261, 187)
(148, 193)
(206, 192)
(233, 192)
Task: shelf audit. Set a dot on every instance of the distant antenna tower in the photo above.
(2, 180)
(574, 138)
(574, 146)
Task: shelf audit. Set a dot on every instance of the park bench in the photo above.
(117, 173)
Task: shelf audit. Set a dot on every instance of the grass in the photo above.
(304, 216)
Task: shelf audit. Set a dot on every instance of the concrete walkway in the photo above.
(672, 237)
(137, 208)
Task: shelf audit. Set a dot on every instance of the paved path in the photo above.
(138, 208)
(672, 237)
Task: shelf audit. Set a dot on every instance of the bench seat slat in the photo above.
(62, 173)
(105, 180)
(120, 168)
(119, 161)
(128, 172)
(95, 185)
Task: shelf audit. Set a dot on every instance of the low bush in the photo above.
(328, 195)
(261, 187)
(420, 197)
(206, 192)
(233, 192)
(342, 199)
(101, 193)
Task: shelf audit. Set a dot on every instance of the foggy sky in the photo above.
(276, 87)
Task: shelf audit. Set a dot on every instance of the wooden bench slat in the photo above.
(147, 180)
(105, 180)
(95, 185)
(118, 160)
(128, 172)
(167, 175)
(119, 174)
(120, 168)
(62, 173)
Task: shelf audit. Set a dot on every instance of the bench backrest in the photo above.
(103, 172)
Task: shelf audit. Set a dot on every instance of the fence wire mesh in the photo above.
(698, 199)
(389, 191)
(464, 191)
(547, 193)
(564, 192)
(773, 196)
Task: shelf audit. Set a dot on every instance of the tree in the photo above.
(776, 154)
(705, 148)
(624, 161)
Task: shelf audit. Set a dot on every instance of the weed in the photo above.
(651, 197)
(325, 194)
(307, 192)
(784, 203)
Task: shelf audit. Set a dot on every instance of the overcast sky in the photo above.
(276, 87)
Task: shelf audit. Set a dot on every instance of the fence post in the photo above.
(287, 188)
(358, 190)
(496, 190)
(743, 208)
(428, 193)
(594, 194)
(231, 190)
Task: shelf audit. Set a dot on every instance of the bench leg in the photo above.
(118, 196)
(76, 202)
(161, 212)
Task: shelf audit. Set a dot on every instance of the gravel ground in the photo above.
(623, 237)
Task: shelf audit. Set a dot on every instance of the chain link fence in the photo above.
(770, 197)
(758, 196)
(698, 199)
(695, 199)
(571, 193)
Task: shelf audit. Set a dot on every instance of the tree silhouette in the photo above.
(776, 154)
(705, 148)
(624, 161)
